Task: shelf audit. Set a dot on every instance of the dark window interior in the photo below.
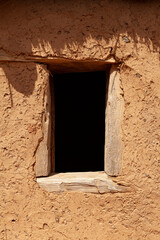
(79, 121)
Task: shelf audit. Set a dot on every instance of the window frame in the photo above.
(113, 137)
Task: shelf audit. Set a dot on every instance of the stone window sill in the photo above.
(88, 182)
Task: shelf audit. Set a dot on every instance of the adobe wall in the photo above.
(123, 31)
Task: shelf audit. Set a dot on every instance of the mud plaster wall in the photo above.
(129, 32)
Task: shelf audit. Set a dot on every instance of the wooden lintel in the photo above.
(64, 65)
(7, 58)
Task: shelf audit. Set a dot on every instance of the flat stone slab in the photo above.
(89, 182)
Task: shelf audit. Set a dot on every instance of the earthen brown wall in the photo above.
(126, 31)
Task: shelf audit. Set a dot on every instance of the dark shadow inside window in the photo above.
(79, 121)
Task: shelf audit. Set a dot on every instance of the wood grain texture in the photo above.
(43, 153)
(92, 182)
(113, 122)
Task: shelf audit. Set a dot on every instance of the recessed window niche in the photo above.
(82, 139)
(79, 121)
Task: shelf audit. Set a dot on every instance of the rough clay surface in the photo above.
(127, 30)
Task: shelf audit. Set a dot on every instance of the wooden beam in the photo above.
(113, 123)
(89, 182)
(43, 153)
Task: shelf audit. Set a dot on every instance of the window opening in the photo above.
(87, 167)
(79, 121)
